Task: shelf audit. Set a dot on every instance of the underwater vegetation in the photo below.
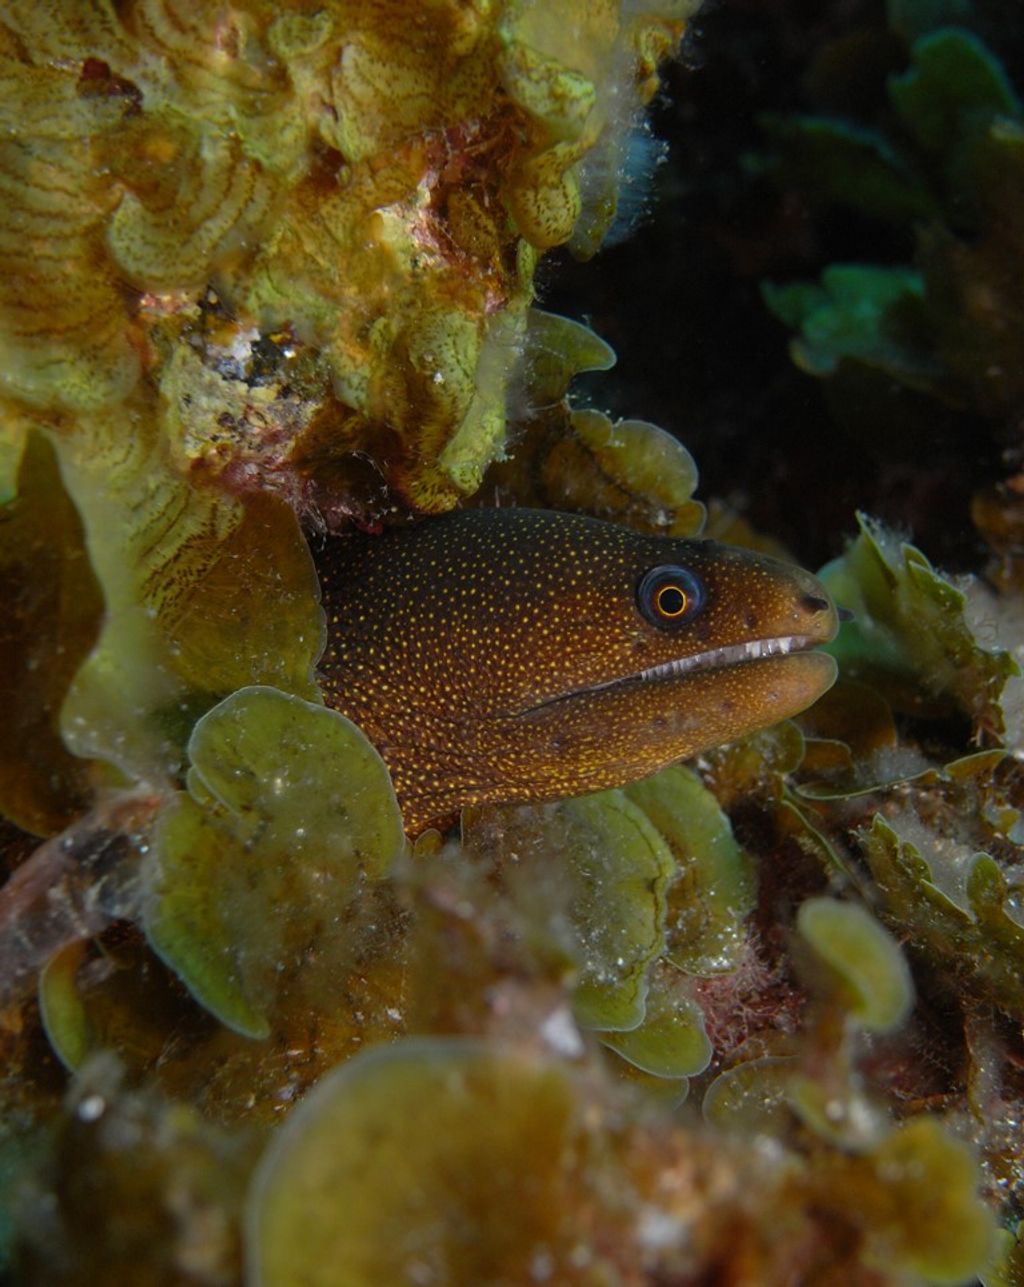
(943, 160)
(267, 295)
(927, 150)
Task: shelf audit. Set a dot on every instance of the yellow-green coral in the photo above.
(373, 180)
(244, 255)
(183, 568)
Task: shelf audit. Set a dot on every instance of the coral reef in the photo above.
(365, 189)
(268, 271)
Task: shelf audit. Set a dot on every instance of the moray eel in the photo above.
(518, 654)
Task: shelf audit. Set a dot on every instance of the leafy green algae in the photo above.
(288, 809)
(182, 568)
(857, 313)
(63, 1015)
(464, 1160)
(620, 865)
(555, 349)
(630, 472)
(923, 1217)
(869, 974)
(444, 1159)
(752, 1098)
(910, 634)
(1007, 1265)
(713, 891)
(670, 1041)
(603, 900)
(953, 86)
(578, 459)
(842, 161)
(635, 893)
(974, 936)
(944, 164)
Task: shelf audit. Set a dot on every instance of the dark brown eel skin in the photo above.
(517, 654)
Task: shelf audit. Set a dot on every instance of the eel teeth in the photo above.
(713, 659)
(730, 655)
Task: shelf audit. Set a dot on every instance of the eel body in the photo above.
(516, 654)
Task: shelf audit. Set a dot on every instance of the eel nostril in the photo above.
(814, 603)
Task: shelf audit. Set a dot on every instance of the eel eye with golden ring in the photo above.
(669, 596)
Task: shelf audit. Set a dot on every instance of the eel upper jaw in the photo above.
(721, 658)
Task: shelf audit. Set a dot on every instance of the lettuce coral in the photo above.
(269, 264)
(373, 184)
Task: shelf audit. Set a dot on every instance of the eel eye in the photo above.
(669, 596)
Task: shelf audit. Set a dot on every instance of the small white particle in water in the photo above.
(580, 1256)
(541, 1267)
(91, 1108)
(658, 1230)
(561, 1034)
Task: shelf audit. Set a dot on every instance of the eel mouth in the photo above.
(723, 658)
